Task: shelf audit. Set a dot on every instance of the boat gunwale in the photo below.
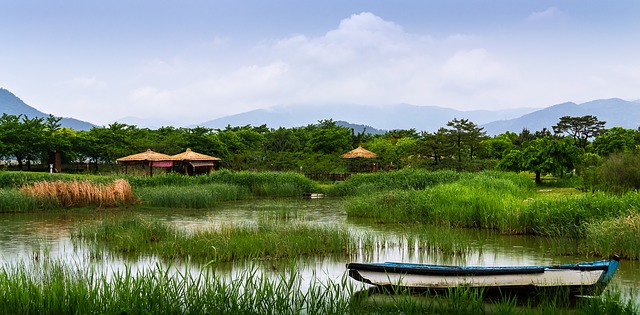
(442, 270)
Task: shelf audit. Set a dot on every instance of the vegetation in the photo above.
(509, 204)
(225, 243)
(82, 193)
(52, 287)
(27, 191)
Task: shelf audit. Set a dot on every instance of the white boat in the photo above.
(584, 278)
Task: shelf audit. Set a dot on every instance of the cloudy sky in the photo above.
(190, 61)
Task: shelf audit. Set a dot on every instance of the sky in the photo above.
(189, 61)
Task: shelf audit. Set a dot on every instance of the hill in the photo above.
(12, 105)
(615, 112)
(400, 116)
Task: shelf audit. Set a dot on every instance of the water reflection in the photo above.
(34, 236)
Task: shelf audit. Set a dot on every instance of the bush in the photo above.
(619, 173)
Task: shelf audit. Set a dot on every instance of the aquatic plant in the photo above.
(195, 196)
(267, 239)
(52, 287)
(82, 193)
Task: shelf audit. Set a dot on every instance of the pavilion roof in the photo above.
(146, 156)
(359, 152)
(189, 155)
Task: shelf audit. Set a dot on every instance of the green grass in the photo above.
(404, 179)
(273, 184)
(196, 196)
(618, 235)
(169, 190)
(271, 239)
(52, 287)
(13, 200)
(493, 201)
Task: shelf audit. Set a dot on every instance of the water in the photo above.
(28, 237)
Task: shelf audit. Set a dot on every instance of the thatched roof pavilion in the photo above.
(149, 159)
(193, 160)
(360, 152)
(357, 155)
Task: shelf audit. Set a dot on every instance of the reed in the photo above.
(412, 179)
(53, 287)
(224, 243)
(492, 201)
(272, 184)
(82, 193)
(13, 200)
(197, 196)
(614, 236)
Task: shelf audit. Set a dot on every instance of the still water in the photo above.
(27, 237)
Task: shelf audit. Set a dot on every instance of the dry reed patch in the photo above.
(83, 193)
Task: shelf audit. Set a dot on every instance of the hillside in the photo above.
(12, 105)
(615, 112)
(401, 116)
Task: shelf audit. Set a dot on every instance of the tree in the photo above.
(496, 147)
(580, 128)
(543, 155)
(327, 138)
(616, 140)
(465, 134)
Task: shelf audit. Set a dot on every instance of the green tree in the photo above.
(616, 140)
(466, 135)
(580, 128)
(328, 138)
(543, 155)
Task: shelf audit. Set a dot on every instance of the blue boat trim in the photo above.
(609, 266)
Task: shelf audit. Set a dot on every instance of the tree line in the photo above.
(575, 143)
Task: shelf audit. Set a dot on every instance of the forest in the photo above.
(576, 146)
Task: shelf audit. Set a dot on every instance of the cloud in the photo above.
(551, 13)
(365, 60)
(473, 71)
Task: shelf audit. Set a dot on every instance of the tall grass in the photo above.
(82, 193)
(276, 184)
(413, 179)
(197, 196)
(56, 288)
(493, 201)
(618, 235)
(225, 243)
(20, 179)
(14, 200)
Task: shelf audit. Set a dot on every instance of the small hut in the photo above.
(195, 163)
(358, 154)
(149, 159)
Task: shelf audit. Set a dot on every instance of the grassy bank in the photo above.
(264, 184)
(52, 287)
(25, 191)
(493, 201)
(196, 196)
(271, 239)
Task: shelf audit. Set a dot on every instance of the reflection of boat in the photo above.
(583, 278)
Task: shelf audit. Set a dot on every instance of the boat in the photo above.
(583, 278)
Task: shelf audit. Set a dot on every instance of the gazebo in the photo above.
(195, 163)
(149, 159)
(361, 153)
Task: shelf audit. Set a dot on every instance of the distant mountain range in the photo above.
(377, 119)
(12, 105)
(615, 112)
(401, 116)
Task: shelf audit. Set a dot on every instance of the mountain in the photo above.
(400, 116)
(12, 105)
(360, 128)
(615, 112)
